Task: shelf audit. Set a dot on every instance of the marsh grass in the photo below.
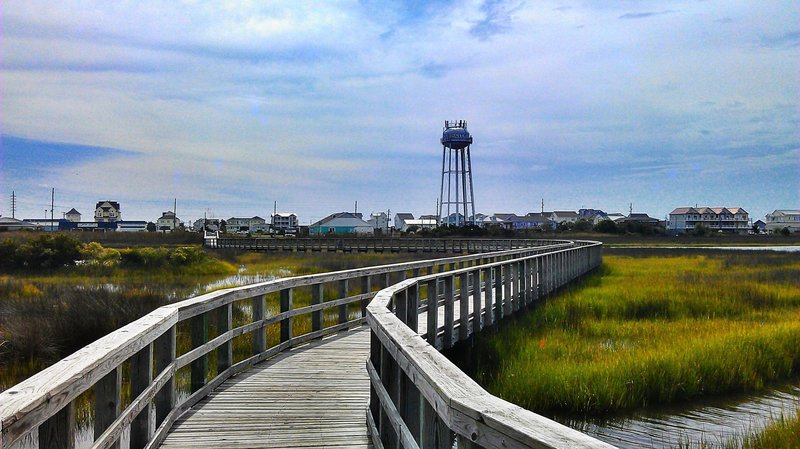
(651, 330)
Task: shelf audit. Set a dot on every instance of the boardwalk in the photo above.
(313, 396)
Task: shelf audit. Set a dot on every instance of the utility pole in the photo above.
(630, 209)
(175, 215)
(52, 202)
(13, 204)
(356, 207)
(542, 205)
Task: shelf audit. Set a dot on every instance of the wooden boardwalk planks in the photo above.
(313, 396)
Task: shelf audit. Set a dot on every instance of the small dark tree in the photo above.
(700, 230)
(606, 227)
(785, 231)
(151, 227)
(582, 225)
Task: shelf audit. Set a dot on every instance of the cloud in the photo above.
(785, 40)
(497, 18)
(643, 15)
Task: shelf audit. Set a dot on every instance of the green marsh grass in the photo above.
(651, 330)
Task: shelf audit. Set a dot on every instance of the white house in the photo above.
(284, 221)
(73, 216)
(107, 211)
(212, 224)
(724, 219)
(563, 216)
(379, 221)
(167, 222)
(783, 218)
(243, 225)
(423, 222)
(400, 221)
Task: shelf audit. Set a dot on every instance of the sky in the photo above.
(229, 106)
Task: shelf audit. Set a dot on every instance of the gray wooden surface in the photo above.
(312, 396)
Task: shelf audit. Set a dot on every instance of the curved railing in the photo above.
(366, 244)
(43, 406)
(418, 398)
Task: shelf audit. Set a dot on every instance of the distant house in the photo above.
(400, 221)
(285, 221)
(723, 219)
(210, 224)
(589, 214)
(107, 212)
(48, 224)
(131, 226)
(423, 222)
(760, 226)
(244, 225)
(783, 218)
(564, 216)
(73, 215)
(341, 223)
(533, 220)
(484, 220)
(12, 224)
(379, 221)
(455, 219)
(168, 222)
(615, 217)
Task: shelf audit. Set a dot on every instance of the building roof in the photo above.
(404, 216)
(73, 212)
(565, 213)
(345, 215)
(113, 204)
(168, 214)
(707, 210)
(504, 217)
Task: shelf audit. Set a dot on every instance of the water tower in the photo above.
(456, 189)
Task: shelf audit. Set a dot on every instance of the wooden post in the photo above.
(412, 307)
(141, 378)
(463, 303)
(498, 293)
(259, 334)
(286, 323)
(375, 358)
(58, 432)
(165, 355)
(343, 293)
(433, 311)
(224, 324)
(199, 325)
(400, 301)
(107, 402)
(366, 287)
(449, 310)
(317, 297)
(488, 317)
(476, 302)
(387, 375)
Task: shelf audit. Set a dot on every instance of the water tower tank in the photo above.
(456, 136)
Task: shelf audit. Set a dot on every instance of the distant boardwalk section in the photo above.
(369, 244)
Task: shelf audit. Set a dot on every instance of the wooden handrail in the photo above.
(46, 400)
(421, 399)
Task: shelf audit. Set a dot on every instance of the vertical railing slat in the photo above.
(199, 368)
(107, 402)
(141, 378)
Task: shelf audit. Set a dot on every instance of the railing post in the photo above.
(165, 355)
(507, 297)
(107, 402)
(387, 374)
(366, 287)
(476, 301)
(463, 305)
(141, 378)
(400, 301)
(433, 311)
(58, 432)
(199, 325)
(260, 334)
(488, 316)
(343, 293)
(498, 293)
(412, 314)
(286, 323)
(317, 297)
(449, 310)
(224, 324)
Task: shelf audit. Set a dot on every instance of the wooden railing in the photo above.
(43, 407)
(418, 398)
(369, 244)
